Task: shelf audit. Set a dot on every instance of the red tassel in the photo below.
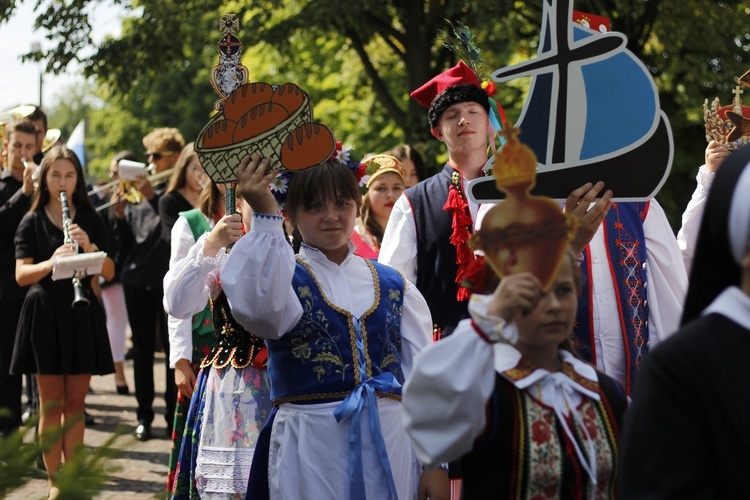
(454, 200)
(461, 225)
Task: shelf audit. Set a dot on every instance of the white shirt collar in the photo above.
(308, 253)
(576, 374)
(734, 304)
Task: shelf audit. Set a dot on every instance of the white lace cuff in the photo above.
(705, 178)
(204, 262)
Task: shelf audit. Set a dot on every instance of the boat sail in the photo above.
(592, 114)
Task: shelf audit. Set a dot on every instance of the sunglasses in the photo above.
(158, 156)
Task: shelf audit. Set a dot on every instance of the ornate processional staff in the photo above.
(226, 77)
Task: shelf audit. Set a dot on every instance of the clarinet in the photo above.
(79, 296)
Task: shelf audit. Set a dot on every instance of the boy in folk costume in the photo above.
(427, 233)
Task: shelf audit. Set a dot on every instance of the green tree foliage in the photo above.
(360, 59)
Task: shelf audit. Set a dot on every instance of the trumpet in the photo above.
(127, 188)
(79, 296)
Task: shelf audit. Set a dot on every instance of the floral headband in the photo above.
(344, 154)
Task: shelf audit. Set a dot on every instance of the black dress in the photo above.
(686, 433)
(170, 206)
(52, 337)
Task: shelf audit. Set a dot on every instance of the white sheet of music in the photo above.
(80, 265)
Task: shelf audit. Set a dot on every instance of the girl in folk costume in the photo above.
(191, 338)
(527, 417)
(230, 398)
(62, 345)
(383, 187)
(342, 333)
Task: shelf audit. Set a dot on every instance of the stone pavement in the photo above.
(142, 467)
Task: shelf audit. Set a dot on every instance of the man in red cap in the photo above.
(427, 233)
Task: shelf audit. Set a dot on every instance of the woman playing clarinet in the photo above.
(61, 344)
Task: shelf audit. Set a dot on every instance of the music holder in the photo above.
(129, 170)
(78, 266)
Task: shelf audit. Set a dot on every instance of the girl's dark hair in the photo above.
(211, 200)
(178, 179)
(81, 198)
(403, 151)
(326, 182)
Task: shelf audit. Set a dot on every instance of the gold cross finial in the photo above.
(229, 25)
(737, 101)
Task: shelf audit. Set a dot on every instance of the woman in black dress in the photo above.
(63, 346)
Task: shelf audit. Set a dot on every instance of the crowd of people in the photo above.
(340, 348)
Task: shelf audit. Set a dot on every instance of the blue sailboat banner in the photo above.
(592, 114)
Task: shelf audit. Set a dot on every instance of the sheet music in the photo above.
(80, 265)
(128, 170)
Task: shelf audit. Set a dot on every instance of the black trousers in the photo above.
(147, 321)
(10, 385)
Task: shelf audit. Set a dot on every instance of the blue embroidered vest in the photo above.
(626, 252)
(436, 256)
(322, 358)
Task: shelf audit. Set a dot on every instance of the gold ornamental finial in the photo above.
(515, 163)
(229, 74)
(229, 25)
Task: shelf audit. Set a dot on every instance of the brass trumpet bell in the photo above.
(50, 139)
(16, 113)
(129, 192)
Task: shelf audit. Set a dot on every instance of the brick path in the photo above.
(142, 466)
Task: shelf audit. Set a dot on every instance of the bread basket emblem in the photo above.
(275, 121)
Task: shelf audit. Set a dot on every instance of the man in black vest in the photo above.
(427, 233)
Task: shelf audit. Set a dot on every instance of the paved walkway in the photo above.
(142, 467)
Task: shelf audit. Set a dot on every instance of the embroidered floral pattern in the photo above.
(522, 370)
(390, 336)
(544, 449)
(234, 345)
(315, 335)
(595, 421)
